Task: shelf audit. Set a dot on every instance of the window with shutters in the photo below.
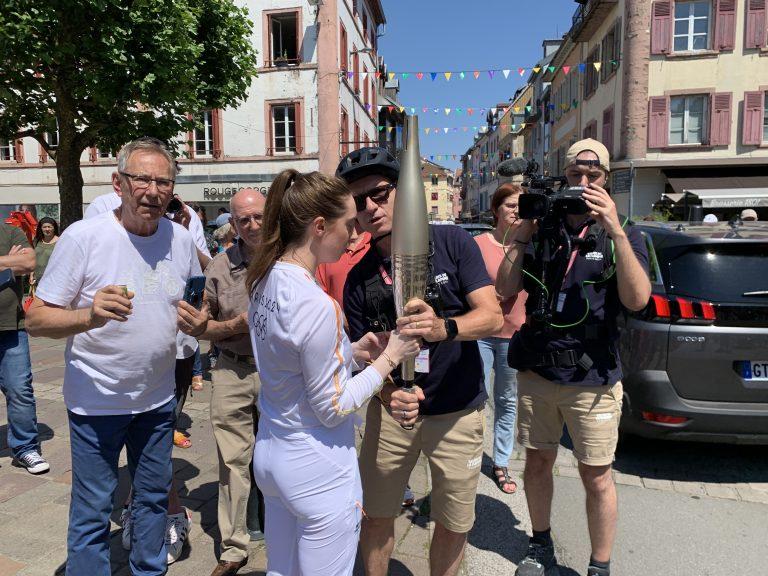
(7, 151)
(343, 49)
(591, 78)
(344, 132)
(356, 68)
(590, 130)
(692, 25)
(434, 183)
(756, 33)
(607, 136)
(688, 119)
(611, 52)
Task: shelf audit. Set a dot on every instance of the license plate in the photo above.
(754, 370)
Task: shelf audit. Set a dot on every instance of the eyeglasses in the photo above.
(378, 196)
(141, 182)
(246, 220)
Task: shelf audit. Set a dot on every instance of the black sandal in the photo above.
(504, 479)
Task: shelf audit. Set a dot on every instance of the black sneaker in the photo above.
(595, 571)
(539, 561)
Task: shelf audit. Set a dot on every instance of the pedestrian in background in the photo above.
(114, 288)
(45, 240)
(493, 349)
(235, 379)
(305, 460)
(16, 259)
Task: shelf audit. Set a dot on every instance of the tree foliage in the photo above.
(106, 71)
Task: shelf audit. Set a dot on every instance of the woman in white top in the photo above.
(304, 460)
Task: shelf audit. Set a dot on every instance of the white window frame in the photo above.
(765, 116)
(7, 151)
(204, 134)
(691, 19)
(288, 123)
(686, 119)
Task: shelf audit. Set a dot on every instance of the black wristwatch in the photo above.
(451, 329)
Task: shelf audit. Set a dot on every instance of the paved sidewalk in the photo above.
(34, 509)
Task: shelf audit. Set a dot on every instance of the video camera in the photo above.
(547, 195)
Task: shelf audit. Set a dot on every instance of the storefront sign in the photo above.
(215, 191)
(621, 181)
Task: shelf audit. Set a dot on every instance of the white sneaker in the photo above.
(176, 531)
(33, 462)
(127, 523)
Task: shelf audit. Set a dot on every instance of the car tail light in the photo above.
(686, 308)
(663, 418)
(662, 308)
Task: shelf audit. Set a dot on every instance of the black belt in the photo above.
(243, 358)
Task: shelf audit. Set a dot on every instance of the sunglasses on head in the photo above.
(378, 196)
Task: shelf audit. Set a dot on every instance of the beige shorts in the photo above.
(453, 445)
(591, 413)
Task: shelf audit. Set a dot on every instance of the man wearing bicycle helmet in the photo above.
(568, 366)
(460, 307)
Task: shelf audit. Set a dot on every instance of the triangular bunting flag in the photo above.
(381, 128)
(436, 110)
(390, 109)
(465, 128)
(506, 73)
(391, 75)
(471, 111)
(551, 69)
(350, 75)
(447, 111)
(389, 128)
(476, 74)
(445, 130)
(513, 126)
(405, 75)
(433, 75)
(413, 111)
(447, 76)
(597, 65)
(491, 73)
(364, 75)
(493, 111)
(536, 69)
(402, 109)
(575, 103)
(528, 109)
(455, 129)
(566, 69)
(419, 75)
(517, 109)
(368, 107)
(461, 75)
(378, 75)
(521, 71)
(614, 63)
(431, 157)
(582, 67)
(426, 130)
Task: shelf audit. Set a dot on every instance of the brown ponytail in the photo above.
(293, 202)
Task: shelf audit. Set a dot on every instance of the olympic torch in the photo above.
(410, 235)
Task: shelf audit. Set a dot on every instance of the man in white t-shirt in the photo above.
(114, 288)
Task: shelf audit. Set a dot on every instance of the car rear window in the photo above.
(720, 272)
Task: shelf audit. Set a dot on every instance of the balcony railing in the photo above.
(588, 17)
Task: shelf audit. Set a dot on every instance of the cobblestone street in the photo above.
(33, 509)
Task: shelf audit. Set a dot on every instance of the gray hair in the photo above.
(145, 144)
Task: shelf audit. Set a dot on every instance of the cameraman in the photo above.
(570, 371)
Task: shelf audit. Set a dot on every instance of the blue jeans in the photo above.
(197, 367)
(96, 444)
(16, 384)
(494, 353)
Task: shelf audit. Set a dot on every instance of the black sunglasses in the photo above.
(378, 196)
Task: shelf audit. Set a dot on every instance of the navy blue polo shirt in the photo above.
(600, 303)
(455, 378)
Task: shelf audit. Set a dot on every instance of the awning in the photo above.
(733, 198)
(723, 191)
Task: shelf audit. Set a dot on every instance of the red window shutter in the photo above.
(356, 68)
(752, 130)
(661, 27)
(344, 49)
(755, 32)
(218, 134)
(18, 150)
(608, 129)
(720, 133)
(658, 122)
(725, 25)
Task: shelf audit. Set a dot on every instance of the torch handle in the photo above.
(407, 387)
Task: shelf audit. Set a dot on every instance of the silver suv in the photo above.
(696, 359)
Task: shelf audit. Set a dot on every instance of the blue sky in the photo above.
(453, 35)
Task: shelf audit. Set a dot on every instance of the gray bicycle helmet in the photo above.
(366, 161)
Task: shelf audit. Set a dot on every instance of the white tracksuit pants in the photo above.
(313, 497)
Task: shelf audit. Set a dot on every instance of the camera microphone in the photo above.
(513, 167)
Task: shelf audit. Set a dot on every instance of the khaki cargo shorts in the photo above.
(591, 413)
(453, 445)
